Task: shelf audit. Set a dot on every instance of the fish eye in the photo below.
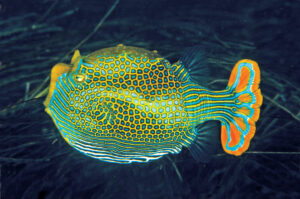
(79, 77)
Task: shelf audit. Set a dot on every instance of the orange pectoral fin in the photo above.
(56, 71)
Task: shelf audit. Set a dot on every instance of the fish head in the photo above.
(58, 70)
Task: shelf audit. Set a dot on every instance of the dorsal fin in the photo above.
(192, 66)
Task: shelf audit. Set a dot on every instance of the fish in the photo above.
(126, 104)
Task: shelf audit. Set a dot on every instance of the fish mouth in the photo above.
(56, 71)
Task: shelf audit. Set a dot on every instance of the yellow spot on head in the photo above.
(79, 77)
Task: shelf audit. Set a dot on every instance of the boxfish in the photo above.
(126, 104)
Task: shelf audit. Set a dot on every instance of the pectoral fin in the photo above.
(76, 57)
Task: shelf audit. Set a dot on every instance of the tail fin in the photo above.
(238, 130)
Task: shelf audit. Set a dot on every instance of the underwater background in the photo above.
(35, 161)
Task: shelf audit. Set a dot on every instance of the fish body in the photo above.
(126, 104)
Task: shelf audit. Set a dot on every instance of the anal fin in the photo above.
(206, 144)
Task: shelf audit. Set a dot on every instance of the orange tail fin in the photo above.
(239, 129)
